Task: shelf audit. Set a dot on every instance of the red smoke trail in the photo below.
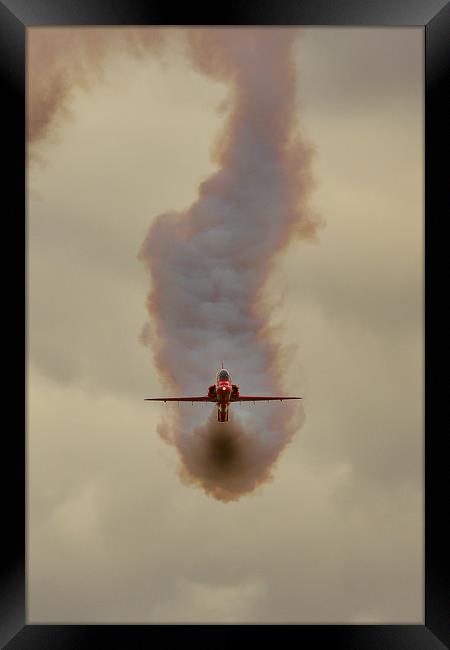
(209, 265)
(61, 59)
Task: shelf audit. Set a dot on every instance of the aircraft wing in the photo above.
(179, 399)
(259, 398)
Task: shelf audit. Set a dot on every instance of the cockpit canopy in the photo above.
(223, 375)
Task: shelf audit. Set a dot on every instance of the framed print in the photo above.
(232, 275)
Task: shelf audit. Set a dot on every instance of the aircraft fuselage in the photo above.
(222, 391)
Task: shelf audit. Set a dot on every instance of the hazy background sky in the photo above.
(337, 536)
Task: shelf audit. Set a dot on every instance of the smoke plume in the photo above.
(209, 264)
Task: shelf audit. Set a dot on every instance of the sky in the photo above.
(336, 536)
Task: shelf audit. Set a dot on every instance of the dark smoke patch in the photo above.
(225, 459)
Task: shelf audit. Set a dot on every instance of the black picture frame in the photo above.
(434, 16)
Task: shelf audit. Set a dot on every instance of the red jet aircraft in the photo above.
(222, 393)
